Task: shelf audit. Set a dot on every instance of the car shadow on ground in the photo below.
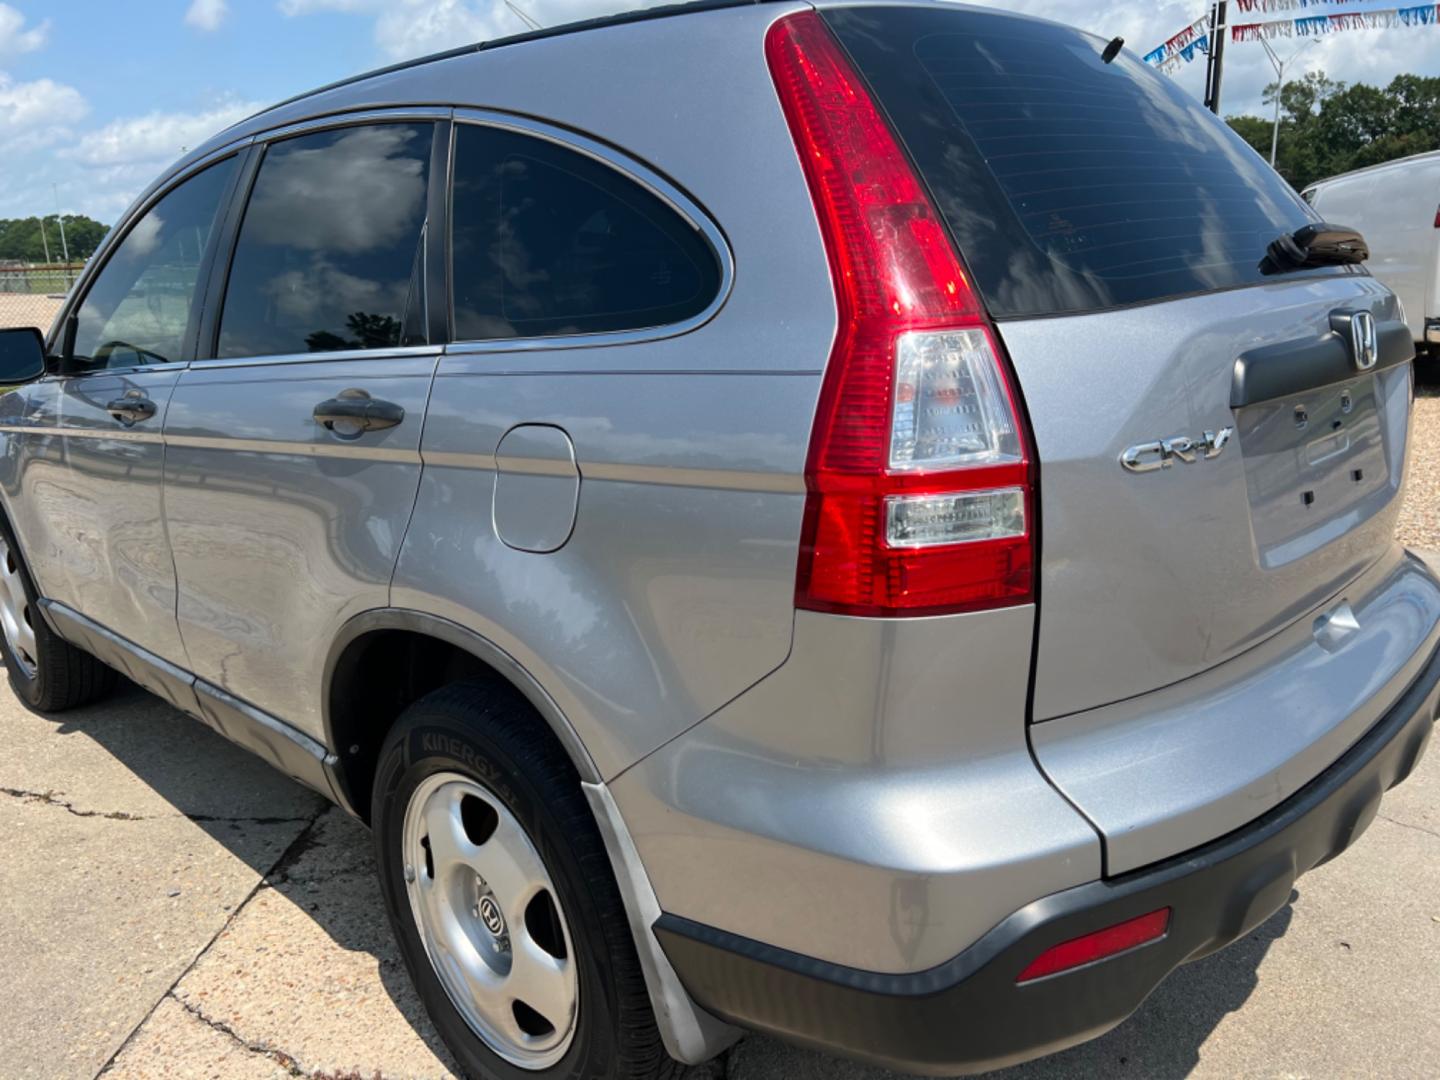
(327, 871)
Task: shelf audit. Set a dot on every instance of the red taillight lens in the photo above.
(921, 499)
(1080, 951)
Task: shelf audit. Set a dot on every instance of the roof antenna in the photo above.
(520, 12)
(1111, 51)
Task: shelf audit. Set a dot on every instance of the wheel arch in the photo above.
(356, 739)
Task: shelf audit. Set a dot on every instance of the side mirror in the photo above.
(22, 355)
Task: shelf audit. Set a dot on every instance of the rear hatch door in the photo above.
(1216, 456)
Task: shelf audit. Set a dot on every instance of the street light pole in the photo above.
(1279, 66)
(64, 247)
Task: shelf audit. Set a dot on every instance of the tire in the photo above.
(474, 757)
(46, 672)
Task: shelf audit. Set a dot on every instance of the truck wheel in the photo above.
(47, 672)
(500, 893)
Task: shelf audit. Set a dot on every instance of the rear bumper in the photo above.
(968, 1014)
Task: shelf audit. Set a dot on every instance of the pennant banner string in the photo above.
(1182, 48)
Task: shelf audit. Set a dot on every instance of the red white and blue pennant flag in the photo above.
(1310, 26)
(1181, 48)
(1189, 38)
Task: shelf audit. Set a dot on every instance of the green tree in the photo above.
(1327, 127)
(20, 238)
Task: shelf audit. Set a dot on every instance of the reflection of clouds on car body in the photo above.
(145, 237)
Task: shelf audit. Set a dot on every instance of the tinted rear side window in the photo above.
(328, 253)
(548, 241)
(1070, 184)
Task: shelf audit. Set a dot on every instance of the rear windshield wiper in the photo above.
(1315, 245)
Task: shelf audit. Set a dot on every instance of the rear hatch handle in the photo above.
(1357, 343)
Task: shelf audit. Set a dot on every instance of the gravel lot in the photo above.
(1420, 516)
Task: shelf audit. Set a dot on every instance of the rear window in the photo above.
(1070, 185)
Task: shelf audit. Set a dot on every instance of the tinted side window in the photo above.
(548, 241)
(328, 255)
(137, 310)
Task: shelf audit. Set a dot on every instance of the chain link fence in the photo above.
(31, 295)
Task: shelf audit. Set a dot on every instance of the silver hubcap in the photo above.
(15, 611)
(491, 920)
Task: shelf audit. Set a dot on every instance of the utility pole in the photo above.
(1215, 64)
(1280, 66)
(64, 247)
(44, 242)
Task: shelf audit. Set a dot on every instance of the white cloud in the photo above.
(14, 38)
(207, 14)
(154, 138)
(41, 103)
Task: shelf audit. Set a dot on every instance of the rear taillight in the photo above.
(921, 495)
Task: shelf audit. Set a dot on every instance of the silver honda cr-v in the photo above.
(868, 522)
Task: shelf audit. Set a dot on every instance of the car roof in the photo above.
(663, 11)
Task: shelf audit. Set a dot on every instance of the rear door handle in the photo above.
(132, 408)
(357, 408)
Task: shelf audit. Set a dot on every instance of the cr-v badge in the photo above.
(1161, 454)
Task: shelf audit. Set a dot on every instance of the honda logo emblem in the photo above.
(1363, 345)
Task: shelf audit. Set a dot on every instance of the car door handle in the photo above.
(358, 408)
(132, 408)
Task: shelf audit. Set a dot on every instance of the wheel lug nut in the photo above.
(409, 874)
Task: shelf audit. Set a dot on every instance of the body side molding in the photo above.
(291, 751)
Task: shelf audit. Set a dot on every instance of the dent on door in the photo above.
(286, 514)
(91, 489)
(537, 488)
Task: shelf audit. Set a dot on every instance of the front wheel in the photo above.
(501, 897)
(46, 672)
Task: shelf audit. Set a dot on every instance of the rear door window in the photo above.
(328, 255)
(548, 241)
(1070, 184)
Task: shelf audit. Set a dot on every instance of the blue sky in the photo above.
(97, 96)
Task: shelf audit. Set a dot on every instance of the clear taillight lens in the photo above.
(921, 521)
(950, 410)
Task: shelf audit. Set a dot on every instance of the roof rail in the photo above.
(685, 7)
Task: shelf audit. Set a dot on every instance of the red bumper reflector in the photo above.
(1080, 951)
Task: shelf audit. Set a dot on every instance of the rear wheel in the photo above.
(501, 896)
(46, 672)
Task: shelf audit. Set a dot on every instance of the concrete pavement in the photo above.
(170, 907)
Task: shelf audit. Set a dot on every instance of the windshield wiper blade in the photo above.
(1318, 244)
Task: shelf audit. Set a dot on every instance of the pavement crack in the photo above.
(302, 840)
(275, 1054)
(52, 798)
(1407, 825)
(222, 819)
